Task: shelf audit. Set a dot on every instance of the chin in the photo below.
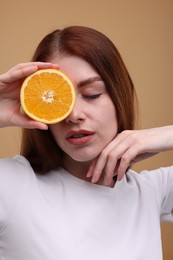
(83, 157)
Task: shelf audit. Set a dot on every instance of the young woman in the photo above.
(71, 193)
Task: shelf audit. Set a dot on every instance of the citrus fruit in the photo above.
(47, 96)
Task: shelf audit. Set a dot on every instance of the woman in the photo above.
(71, 193)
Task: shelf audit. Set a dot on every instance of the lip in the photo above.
(79, 137)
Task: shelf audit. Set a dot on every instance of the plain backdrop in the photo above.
(142, 31)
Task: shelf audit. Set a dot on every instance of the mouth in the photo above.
(79, 137)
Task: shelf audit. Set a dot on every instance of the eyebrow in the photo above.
(89, 81)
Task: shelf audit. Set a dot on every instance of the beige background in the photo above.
(142, 31)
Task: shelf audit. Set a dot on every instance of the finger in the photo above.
(99, 166)
(31, 124)
(19, 74)
(127, 159)
(109, 157)
(21, 71)
(103, 159)
(91, 169)
(110, 169)
(105, 162)
(23, 121)
(111, 173)
(114, 158)
(38, 64)
(36, 125)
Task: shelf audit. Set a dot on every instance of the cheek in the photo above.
(110, 120)
(108, 113)
(112, 125)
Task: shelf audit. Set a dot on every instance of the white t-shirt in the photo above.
(60, 217)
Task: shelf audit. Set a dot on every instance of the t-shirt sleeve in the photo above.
(14, 174)
(161, 181)
(167, 203)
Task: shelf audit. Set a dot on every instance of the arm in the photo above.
(130, 147)
(10, 83)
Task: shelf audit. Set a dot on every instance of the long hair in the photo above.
(38, 146)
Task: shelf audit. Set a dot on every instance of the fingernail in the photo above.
(44, 127)
(119, 178)
(89, 174)
(94, 180)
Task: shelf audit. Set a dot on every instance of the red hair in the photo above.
(94, 47)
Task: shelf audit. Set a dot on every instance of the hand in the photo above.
(129, 147)
(10, 83)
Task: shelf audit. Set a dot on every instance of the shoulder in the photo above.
(17, 161)
(161, 177)
(158, 180)
(157, 184)
(14, 173)
(15, 176)
(152, 177)
(10, 168)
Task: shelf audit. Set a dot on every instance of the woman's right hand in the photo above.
(10, 84)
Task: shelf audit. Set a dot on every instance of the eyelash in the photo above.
(92, 96)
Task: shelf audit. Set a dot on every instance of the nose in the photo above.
(77, 114)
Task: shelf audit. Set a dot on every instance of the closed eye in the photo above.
(92, 96)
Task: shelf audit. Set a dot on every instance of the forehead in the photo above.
(75, 68)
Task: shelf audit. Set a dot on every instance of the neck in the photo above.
(80, 169)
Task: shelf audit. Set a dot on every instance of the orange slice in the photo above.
(47, 96)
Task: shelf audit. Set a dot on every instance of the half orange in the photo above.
(47, 96)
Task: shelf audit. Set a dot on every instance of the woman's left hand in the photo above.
(128, 148)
